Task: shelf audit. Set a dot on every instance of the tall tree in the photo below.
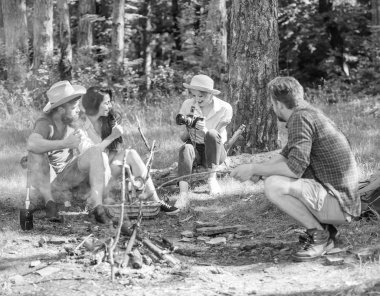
(215, 54)
(87, 9)
(176, 14)
(65, 61)
(16, 38)
(43, 32)
(118, 37)
(147, 40)
(376, 24)
(253, 63)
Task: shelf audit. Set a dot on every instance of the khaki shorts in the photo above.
(324, 206)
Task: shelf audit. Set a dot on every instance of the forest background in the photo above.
(144, 50)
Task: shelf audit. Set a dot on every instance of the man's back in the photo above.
(318, 149)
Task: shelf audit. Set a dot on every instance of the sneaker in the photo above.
(182, 202)
(313, 246)
(100, 214)
(168, 209)
(214, 186)
(51, 210)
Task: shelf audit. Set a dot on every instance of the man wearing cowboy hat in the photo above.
(54, 142)
(205, 118)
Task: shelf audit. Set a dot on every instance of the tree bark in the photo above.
(43, 32)
(375, 27)
(147, 44)
(215, 54)
(253, 63)
(65, 63)
(16, 38)
(118, 37)
(176, 13)
(85, 31)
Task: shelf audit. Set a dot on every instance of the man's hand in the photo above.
(74, 139)
(117, 131)
(201, 125)
(243, 173)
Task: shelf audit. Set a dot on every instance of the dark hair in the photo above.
(286, 90)
(107, 123)
(92, 99)
(91, 102)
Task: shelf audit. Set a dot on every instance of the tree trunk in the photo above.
(118, 37)
(16, 38)
(87, 8)
(215, 54)
(43, 32)
(176, 13)
(253, 63)
(147, 40)
(65, 62)
(375, 27)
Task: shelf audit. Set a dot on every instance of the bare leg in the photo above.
(138, 169)
(277, 190)
(93, 162)
(39, 174)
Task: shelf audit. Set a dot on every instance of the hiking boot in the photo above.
(313, 246)
(214, 186)
(168, 209)
(100, 214)
(51, 209)
(333, 231)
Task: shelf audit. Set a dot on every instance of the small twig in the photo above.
(113, 244)
(81, 244)
(142, 134)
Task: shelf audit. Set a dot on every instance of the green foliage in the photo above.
(331, 46)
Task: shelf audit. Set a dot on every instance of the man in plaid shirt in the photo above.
(314, 179)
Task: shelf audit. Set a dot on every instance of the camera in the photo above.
(188, 120)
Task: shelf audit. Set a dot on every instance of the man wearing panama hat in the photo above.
(205, 118)
(54, 142)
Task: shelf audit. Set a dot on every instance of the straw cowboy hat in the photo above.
(62, 92)
(202, 83)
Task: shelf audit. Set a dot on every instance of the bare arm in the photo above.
(275, 166)
(37, 144)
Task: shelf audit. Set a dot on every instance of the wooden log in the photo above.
(136, 259)
(218, 229)
(169, 259)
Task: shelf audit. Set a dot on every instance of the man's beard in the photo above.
(69, 120)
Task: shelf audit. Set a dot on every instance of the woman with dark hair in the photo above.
(102, 128)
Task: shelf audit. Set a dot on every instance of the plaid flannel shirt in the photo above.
(317, 149)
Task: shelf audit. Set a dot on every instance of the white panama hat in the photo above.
(62, 92)
(202, 83)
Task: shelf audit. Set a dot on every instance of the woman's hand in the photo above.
(117, 131)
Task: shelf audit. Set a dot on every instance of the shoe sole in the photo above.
(173, 213)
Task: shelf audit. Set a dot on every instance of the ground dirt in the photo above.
(256, 259)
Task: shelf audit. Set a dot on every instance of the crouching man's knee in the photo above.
(274, 188)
